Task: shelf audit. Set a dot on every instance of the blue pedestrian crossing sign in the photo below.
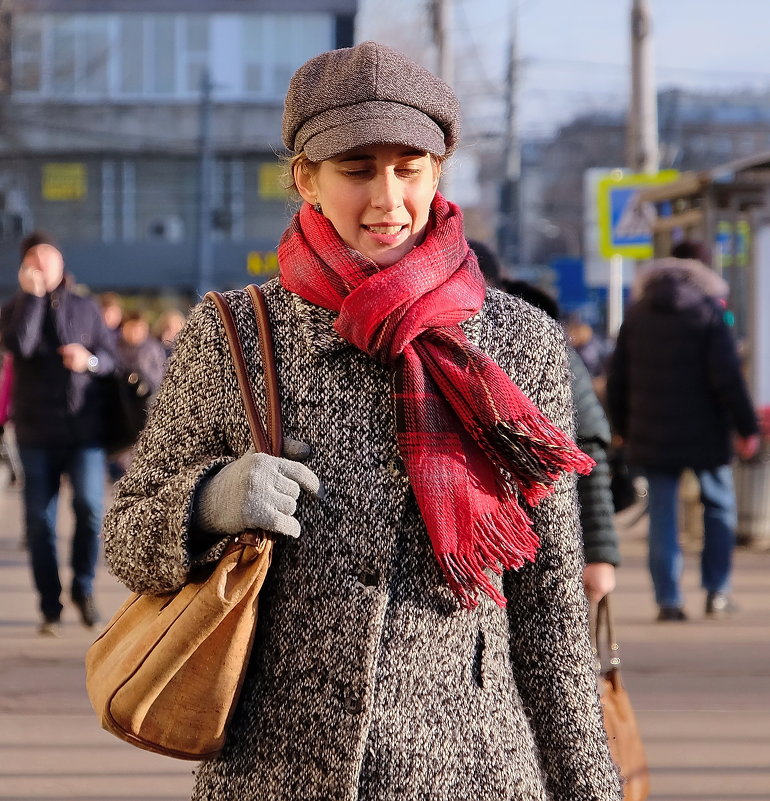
(625, 222)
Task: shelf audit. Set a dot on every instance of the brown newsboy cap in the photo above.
(365, 95)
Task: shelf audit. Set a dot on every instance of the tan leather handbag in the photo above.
(623, 734)
(167, 671)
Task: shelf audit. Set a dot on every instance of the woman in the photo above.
(392, 659)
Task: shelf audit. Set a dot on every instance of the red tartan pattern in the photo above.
(469, 438)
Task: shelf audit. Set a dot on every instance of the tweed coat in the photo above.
(368, 681)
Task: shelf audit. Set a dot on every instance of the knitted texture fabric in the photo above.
(367, 680)
(469, 437)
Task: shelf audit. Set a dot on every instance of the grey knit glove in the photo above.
(255, 491)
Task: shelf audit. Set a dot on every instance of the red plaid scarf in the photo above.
(468, 435)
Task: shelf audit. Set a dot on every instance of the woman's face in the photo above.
(377, 197)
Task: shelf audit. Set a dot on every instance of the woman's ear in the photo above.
(305, 184)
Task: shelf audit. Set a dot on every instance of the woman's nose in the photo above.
(386, 193)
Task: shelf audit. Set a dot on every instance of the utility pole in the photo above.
(508, 232)
(441, 16)
(642, 130)
(205, 254)
(641, 136)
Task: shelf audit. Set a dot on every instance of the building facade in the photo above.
(146, 135)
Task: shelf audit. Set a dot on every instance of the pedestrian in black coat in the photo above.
(676, 395)
(675, 390)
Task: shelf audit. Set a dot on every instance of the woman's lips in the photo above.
(385, 234)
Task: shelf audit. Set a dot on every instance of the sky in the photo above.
(574, 54)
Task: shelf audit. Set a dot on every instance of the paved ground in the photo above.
(701, 691)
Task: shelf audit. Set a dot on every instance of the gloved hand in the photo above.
(256, 491)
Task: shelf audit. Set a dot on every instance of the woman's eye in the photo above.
(356, 173)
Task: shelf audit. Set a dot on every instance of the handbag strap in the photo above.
(270, 441)
(604, 629)
(274, 425)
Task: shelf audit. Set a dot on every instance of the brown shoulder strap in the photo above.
(273, 400)
(265, 442)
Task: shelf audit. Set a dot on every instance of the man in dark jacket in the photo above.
(60, 347)
(676, 393)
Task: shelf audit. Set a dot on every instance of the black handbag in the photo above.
(624, 492)
(127, 400)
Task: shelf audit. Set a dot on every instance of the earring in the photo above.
(317, 208)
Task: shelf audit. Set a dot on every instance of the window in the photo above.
(253, 54)
(161, 42)
(274, 45)
(61, 54)
(27, 52)
(161, 56)
(195, 51)
(131, 65)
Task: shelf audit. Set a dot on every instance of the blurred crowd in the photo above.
(79, 373)
(78, 376)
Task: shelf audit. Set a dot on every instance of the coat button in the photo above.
(369, 578)
(395, 466)
(353, 703)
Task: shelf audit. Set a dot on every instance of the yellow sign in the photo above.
(64, 181)
(271, 181)
(625, 223)
(262, 263)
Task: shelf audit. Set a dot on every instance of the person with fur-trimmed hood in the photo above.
(676, 396)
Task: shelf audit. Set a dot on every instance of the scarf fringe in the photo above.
(501, 541)
(535, 452)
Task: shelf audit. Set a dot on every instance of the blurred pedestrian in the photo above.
(587, 344)
(489, 264)
(141, 365)
(141, 353)
(111, 306)
(426, 636)
(60, 348)
(675, 395)
(600, 537)
(167, 328)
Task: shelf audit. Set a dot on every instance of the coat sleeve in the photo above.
(147, 529)
(600, 539)
(21, 324)
(550, 643)
(103, 344)
(727, 380)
